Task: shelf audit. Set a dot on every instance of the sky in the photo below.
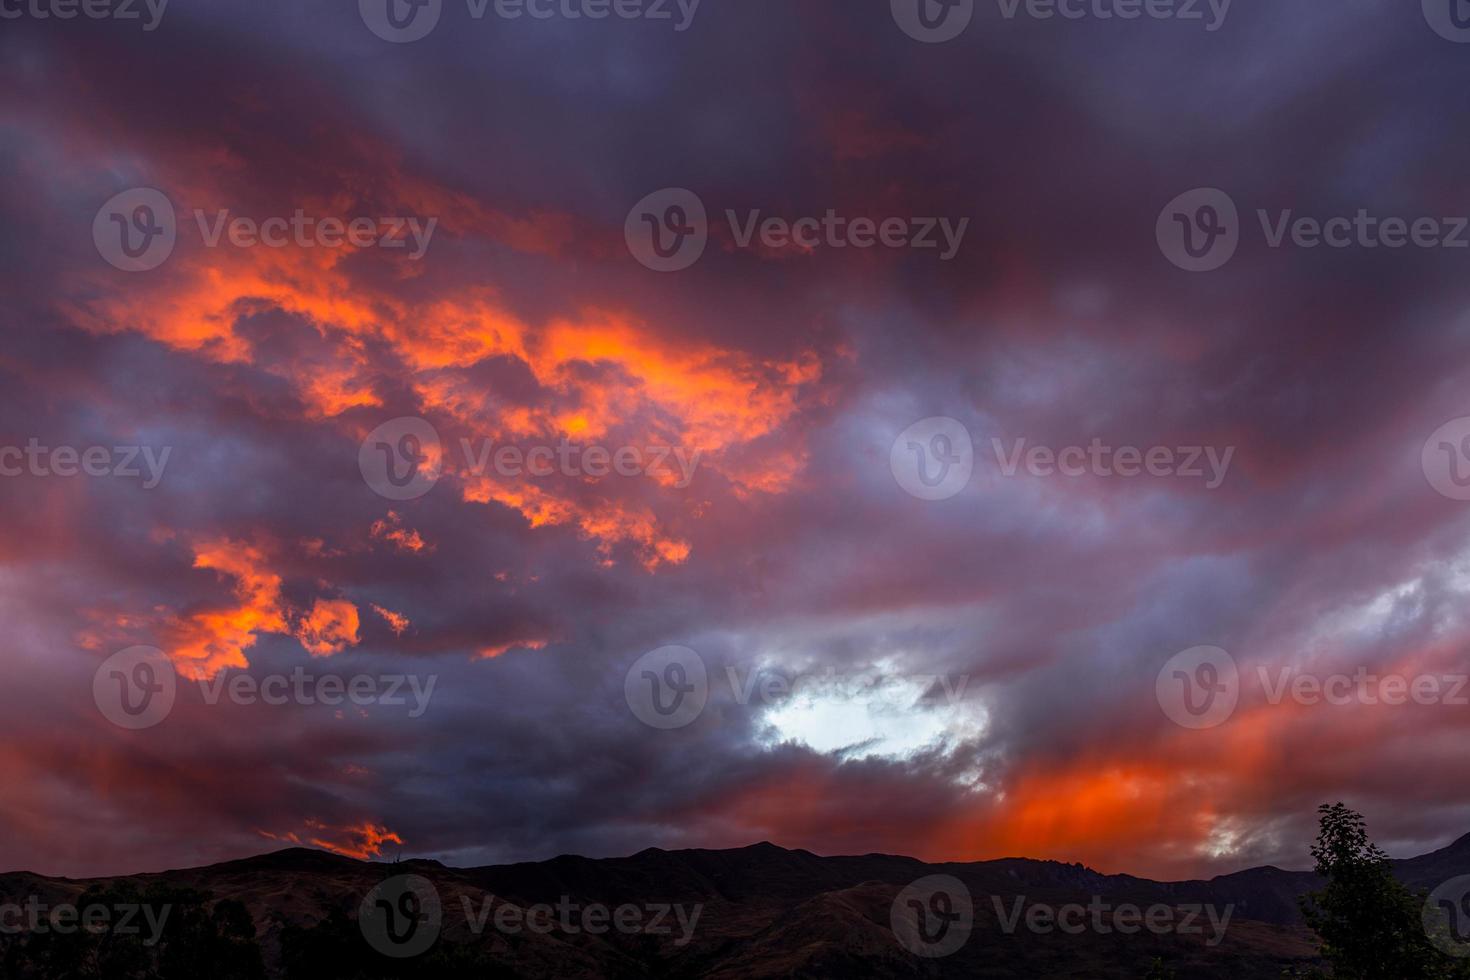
(954, 447)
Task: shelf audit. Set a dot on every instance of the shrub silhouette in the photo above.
(197, 938)
(1370, 925)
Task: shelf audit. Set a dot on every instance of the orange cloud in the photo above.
(397, 622)
(491, 652)
(391, 529)
(210, 640)
(329, 628)
(363, 841)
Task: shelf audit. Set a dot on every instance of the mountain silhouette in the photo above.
(766, 911)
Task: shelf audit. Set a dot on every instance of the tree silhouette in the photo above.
(195, 937)
(1370, 925)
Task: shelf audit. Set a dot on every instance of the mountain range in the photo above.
(753, 912)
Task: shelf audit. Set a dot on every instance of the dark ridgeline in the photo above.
(762, 911)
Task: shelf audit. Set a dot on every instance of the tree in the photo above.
(193, 936)
(1158, 971)
(1370, 925)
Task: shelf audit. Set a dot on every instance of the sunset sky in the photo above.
(1010, 636)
